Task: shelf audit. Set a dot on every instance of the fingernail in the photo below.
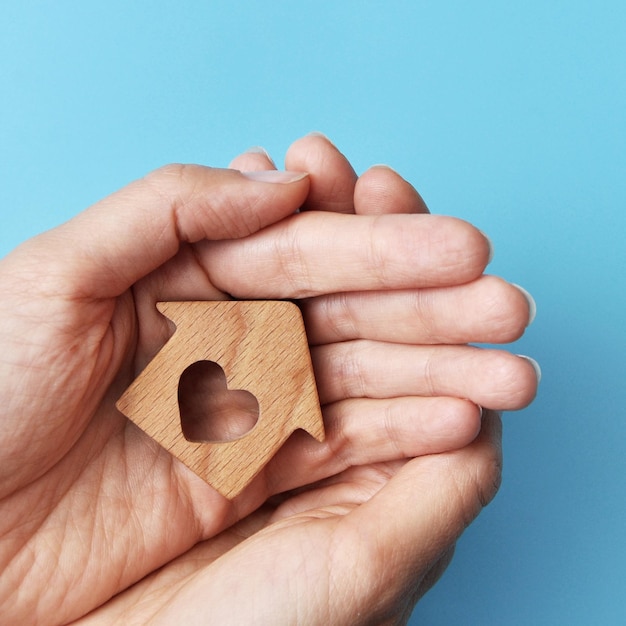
(262, 151)
(490, 243)
(275, 176)
(316, 133)
(534, 364)
(384, 167)
(532, 305)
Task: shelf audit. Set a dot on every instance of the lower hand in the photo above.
(90, 505)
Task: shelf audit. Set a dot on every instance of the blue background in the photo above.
(511, 115)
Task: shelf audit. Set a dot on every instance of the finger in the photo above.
(107, 248)
(364, 369)
(371, 431)
(381, 190)
(487, 310)
(253, 160)
(416, 511)
(332, 177)
(313, 253)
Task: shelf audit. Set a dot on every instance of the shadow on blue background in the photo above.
(508, 115)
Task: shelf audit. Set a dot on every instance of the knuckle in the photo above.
(351, 372)
(171, 184)
(339, 371)
(377, 252)
(430, 377)
(167, 177)
(422, 306)
(291, 263)
(340, 316)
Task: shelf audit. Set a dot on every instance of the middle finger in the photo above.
(487, 310)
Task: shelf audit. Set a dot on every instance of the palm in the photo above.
(303, 534)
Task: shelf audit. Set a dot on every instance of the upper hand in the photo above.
(89, 503)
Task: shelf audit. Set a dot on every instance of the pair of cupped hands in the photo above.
(98, 522)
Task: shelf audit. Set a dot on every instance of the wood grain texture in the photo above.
(262, 348)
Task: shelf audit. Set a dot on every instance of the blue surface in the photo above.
(511, 115)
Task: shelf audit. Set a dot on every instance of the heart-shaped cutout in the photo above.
(209, 411)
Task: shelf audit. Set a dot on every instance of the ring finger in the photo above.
(368, 369)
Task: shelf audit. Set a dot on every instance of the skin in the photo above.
(99, 524)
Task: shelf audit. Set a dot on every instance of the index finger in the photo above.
(313, 253)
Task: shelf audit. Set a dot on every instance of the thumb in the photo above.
(368, 566)
(411, 525)
(107, 248)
